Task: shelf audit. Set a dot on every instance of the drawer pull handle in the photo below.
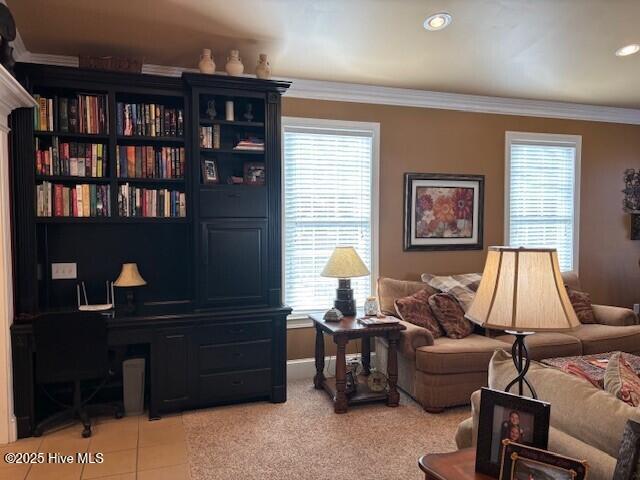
(237, 383)
(233, 195)
(236, 330)
(238, 355)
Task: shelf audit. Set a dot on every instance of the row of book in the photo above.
(150, 162)
(84, 113)
(71, 159)
(144, 202)
(250, 143)
(82, 200)
(149, 119)
(210, 137)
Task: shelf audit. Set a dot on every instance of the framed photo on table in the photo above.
(525, 463)
(210, 171)
(443, 212)
(504, 416)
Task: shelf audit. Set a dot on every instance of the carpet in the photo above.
(303, 439)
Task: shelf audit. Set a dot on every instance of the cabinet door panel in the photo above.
(234, 268)
(173, 365)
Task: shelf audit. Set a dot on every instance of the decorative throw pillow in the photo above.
(450, 315)
(461, 287)
(415, 309)
(620, 380)
(581, 302)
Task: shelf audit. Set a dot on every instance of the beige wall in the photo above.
(442, 141)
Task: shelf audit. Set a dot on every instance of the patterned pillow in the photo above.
(620, 380)
(461, 287)
(581, 302)
(415, 309)
(450, 315)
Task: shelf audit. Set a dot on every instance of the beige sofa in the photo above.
(445, 372)
(586, 422)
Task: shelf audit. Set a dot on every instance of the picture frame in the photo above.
(520, 462)
(505, 415)
(627, 466)
(210, 174)
(254, 173)
(443, 211)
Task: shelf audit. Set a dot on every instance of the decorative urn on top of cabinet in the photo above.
(263, 69)
(234, 66)
(206, 63)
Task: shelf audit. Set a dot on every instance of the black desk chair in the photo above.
(72, 347)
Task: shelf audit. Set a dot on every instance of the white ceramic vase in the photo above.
(234, 66)
(206, 63)
(263, 69)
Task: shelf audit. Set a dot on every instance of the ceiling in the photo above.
(559, 50)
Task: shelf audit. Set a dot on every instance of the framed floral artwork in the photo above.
(443, 212)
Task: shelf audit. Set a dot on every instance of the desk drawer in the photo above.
(234, 386)
(240, 331)
(233, 201)
(234, 356)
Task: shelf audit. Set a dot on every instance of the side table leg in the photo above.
(393, 398)
(340, 401)
(318, 379)
(365, 346)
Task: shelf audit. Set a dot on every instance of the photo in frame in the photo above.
(521, 462)
(210, 171)
(443, 211)
(505, 416)
(254, 173)
(628, 464)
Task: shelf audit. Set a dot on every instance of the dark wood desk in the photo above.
(196, 359)
(460, 465)
(348, 329)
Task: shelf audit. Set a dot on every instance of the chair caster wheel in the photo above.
(86, 433)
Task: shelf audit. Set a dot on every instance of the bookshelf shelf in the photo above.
(170, 181)
(207, 121)
(71, 179)
(71, 135)
(148, 139)
(112, 219)
(231, 150)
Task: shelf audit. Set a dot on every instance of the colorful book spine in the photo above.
(82, 200)
(149, 119)
(71, 159)
(84, 113)
(134, 201)
(134, 161)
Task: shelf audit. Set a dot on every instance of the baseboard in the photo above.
(305, 368)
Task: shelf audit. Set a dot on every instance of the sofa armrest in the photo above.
(413, 338)
(615, 316)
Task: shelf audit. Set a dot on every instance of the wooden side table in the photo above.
(348, 329)
(460, 465)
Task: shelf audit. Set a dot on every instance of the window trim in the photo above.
(299, 319)
(551, 139)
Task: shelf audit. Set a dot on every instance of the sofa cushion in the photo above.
(581, 302)
(605, 338)
(450, 315)
(462, 287)
(389, 289)
(448, 355)
(621, 380)
(415, 309)
(548, 344)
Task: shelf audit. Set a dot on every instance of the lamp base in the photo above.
(521, 360)
(344, 298)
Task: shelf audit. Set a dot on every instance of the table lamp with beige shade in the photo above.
(522, 292)
(344, 264)
(130, 278)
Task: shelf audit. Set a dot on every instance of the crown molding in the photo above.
(372, 94)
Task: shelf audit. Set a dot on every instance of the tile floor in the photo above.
(133, 448)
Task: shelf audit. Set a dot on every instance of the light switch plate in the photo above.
(636, 308)
(64, 271)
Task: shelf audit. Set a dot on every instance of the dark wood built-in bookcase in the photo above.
(210, 252)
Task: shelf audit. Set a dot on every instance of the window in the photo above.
(330, 199)
(542, 188)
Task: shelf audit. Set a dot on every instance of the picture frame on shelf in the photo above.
(443, 211)
(521, 462)
(210, 174)
(254, 173)
(627, 467)
(508, 416)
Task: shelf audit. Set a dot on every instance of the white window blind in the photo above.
(327, 202)
(542, 195)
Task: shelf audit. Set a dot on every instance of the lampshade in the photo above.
(522, 290)
(129, 276)
(345, 263)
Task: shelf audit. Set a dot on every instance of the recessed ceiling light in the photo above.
(437, 21)
(628, 50)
